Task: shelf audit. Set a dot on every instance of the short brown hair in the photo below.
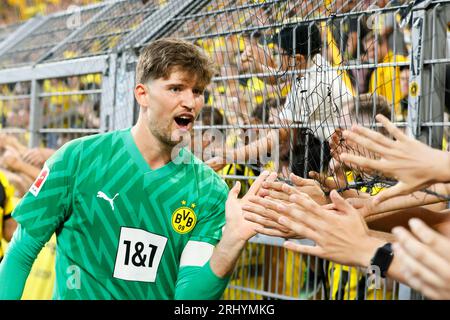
(158, 59)
(366, 104)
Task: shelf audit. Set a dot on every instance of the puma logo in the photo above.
(102, 195)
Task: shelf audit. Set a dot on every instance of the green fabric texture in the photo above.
(200, 283)
(17, 264)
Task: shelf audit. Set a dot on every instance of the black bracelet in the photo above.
(383, 258)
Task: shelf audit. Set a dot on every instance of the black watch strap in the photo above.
(383, 258)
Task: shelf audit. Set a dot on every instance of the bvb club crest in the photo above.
(184, 218)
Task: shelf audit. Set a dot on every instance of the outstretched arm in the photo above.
(218, 269)
(412, 163)
(17, 264)
(368, 206)
(425, 259)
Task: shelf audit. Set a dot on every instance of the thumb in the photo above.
(234, 192)
(356, 202)
(340, 203)
(399, 189)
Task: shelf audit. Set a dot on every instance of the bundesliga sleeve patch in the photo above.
(37, 185)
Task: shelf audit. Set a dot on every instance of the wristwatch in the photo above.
(383, 258)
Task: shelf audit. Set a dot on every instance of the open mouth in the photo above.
(184, 121)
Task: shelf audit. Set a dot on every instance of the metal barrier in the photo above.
(74, 74)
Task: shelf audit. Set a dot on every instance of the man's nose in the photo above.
(189, 100)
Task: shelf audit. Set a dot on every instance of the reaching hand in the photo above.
(281, 191)
(425, 258)
(11, 158)
(340, 235)
(236, 225)
(405, 159)
(37, 156)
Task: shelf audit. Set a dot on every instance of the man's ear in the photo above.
(141, 94)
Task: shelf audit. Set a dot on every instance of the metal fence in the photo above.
(72, 74)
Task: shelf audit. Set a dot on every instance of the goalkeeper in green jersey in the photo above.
(135, 216)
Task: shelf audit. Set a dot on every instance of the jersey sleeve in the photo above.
(210, 223)
(47, 204)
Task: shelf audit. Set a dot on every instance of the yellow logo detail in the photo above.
(414, 89)
(184, 218)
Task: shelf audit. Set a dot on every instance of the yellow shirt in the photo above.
(384, 79)
(7, 207)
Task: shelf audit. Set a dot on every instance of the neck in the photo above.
(155, 153)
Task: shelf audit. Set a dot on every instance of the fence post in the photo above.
(427, 80)
(35, 114)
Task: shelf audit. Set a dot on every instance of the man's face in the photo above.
(404, 82)
(172, 106)
(291, 62)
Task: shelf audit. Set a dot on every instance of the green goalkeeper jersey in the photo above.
(121, 227)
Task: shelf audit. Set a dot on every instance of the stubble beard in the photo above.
(162, 135)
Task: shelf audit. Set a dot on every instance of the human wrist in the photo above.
(367, 250)
(232, 238)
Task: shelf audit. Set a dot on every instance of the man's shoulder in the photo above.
(75, 147)
(96, 139)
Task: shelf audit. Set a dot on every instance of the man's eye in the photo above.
(175, 89)
(197, 92)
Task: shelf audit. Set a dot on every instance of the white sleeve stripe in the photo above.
(196, 254)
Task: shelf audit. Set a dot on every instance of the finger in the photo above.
(287, 189)
(265, 203)
(256, 185)
(323, 180)
(254, 208)
(298, 229)
(307, 204)
(357, 203)
(363, 142)
(317, 176)
(309, 250)
(234, 192)
(340, 203)
(274, 232)
(414, 273)
(262, 211)
(273, 185)
(399, 189)
(430, 238)
(371, 137)
(329, 206)
(362, 162)
(421, 256)
(303, 215)
(266, 223)
(391, 128)
(272, 177)
(278, 195)
(301, 182)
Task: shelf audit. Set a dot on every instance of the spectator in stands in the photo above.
(384, 80)
(404, 90)
(20, 164)
(7, 223)
(230, 96)
(317, 92)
